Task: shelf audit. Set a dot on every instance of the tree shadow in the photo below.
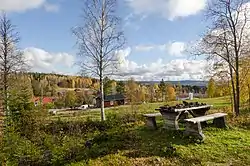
(160, 142)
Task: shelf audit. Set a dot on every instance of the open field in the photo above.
(81, 139)
(94, 114)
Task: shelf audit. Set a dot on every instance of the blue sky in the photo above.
(157, 33)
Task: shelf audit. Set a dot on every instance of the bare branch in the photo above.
(11, 59)
(226, 43)
(98, 39)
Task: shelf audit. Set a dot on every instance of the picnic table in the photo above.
(172, 117)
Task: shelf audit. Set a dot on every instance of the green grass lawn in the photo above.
(218, 105)
(81, 139)
(222, 147)
(134, 144)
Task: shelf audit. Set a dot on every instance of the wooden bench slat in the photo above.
(152, 115)
(205, 118)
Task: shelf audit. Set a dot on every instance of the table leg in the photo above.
(171, 120)
(219, 122)
(194, 129)
(151, 122)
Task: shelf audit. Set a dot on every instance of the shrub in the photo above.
(59, 103)
(50, 106)
(20, 151)
(30, 122)
(75, 127)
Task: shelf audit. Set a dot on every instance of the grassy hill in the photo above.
(79, 138)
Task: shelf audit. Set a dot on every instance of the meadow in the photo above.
(80, 138)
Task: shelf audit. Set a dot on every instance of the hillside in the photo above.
(182, 82)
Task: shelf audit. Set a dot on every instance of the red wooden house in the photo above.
(111, 100)
(45, 100)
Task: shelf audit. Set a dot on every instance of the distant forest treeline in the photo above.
(50, 83)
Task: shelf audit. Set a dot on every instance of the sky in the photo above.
(157, 34)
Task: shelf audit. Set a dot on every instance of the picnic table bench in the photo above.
(150, 120)
(172, 118)
(194, 127)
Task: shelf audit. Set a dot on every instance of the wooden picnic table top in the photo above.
(189, 109)
(192, 108)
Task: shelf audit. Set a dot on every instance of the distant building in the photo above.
(45, 100)
(191, 96)
(111, 100)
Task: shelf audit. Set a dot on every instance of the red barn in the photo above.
(111, 100)
(45, 100)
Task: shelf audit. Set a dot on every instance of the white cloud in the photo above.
(170, 9)
(174, 70)
(172, 48)
(62, 63)
(145, 47)
(42, 61)
(132, 21)
(23, 5)
(176, 48)
(51, 7)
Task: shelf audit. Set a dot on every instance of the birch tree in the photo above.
(98, 39)
(11, 59)
(226, 42)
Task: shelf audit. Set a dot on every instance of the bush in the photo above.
(20, 151)
(59, 103)
(30, 122)
(50, 106)
(75, 127)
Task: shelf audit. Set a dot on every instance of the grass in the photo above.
(161, 147)
(218, 105)
(80, 139)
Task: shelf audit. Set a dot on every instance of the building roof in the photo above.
(113, 97)
(45, 99)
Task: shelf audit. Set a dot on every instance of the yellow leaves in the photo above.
(211, 88)
(245, 80)
(96, 86)
(113, 84)
(170, 93)
(87, 82)
(131, 89)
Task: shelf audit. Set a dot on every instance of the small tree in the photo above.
(107, 87)
(170, 93)
(157, 92)
(152, 93)
(162, 87)
(70, 99)
(20, 95)
(131, 89)
(211, 88)
(120, 87)
(178, 89)
(142, 92)
(40, 77)
(98, 40)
